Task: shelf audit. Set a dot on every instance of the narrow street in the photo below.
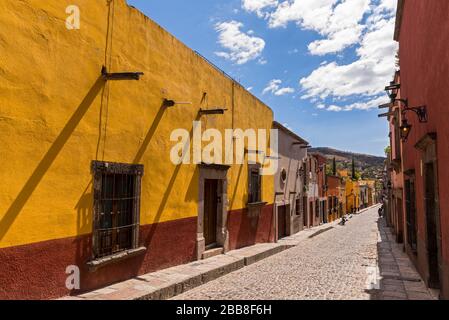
(339, 263)
(224, 150)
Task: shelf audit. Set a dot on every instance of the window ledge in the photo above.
(256, 204)
(96, 264)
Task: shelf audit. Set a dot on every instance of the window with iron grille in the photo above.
(410, 209)
(255, 184)
(116, 207)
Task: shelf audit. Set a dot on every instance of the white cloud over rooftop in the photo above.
(368, 25)
(240, 47)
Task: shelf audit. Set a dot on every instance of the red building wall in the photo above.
(424, 62)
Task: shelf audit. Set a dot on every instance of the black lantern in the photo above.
(405, 129)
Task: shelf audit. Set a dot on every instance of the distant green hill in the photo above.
(369, 166)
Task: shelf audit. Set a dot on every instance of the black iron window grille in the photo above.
(116, 207)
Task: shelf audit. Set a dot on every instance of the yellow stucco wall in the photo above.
(56, 116)
(352, 194)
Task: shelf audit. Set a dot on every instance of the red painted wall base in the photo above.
(37, 271)
(245, 230)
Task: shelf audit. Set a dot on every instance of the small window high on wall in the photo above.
(255, 184)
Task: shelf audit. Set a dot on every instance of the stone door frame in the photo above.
(215, 172)
(428, 147)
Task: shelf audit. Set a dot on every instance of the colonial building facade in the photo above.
(291, 199)
(420, 139)
(87, 176)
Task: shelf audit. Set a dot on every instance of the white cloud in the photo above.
(338, 21)
(336, 41)
(334, 108)
(283, 91)
(241, 47)
(366, 24)
(367, 105)
(370, 104)
(274, 87)
(258, 6)
(365, 76)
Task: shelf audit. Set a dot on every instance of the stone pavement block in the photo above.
(71, 298)
(419, 295)
(397, 294)
(124, 294)
(389, 273)
(392, 298)
(415, 286)
(395, 288)
(258, 252)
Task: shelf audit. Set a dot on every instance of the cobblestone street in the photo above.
(340, 263)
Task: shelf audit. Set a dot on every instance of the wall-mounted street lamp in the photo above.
(405, 129)
(392, 90)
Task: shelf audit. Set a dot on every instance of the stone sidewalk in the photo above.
(399, 279)
(170, 282)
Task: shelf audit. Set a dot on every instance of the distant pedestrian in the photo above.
(381, 211)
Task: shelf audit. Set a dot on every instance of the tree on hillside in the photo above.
(353, 170)
(334, 167)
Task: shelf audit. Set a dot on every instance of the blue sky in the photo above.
(320, 65)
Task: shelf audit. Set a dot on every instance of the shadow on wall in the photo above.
(48, 159)
(192, 191)
(237, 182)
(169, 188)
(84, 209)
(149, 136)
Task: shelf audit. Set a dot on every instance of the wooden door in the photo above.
(282, 223)
(431, 219)
(311, 215)
(210, 211)
(305, 215)
(400, 236)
